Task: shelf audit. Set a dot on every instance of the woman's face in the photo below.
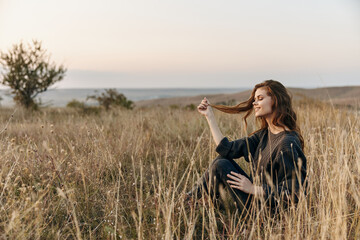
(263, 103)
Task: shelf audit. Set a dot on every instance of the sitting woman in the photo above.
(275, 152)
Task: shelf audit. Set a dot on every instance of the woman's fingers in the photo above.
(205, 101)
(233, 182)
(235, 173)
(202, 106)
(237, 187)
(235, 176)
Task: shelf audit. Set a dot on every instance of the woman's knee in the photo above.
(219, 157)
(220, 165)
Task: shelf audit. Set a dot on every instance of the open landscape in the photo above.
(119, 174)
(101, 138)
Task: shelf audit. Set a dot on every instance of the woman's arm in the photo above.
(216, 133)
(207, 111)
(243, 147)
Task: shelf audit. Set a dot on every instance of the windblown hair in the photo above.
(284, 113)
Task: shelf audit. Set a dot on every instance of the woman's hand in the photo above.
(241, 182)
(204, 107)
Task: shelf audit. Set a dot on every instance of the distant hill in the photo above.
(60, 97)
(348, 96)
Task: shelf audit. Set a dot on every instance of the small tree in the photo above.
(111, 97)
(28, 72)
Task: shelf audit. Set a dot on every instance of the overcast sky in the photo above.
(191, 43)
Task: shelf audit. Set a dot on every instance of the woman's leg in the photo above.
(202, 183)
(216, 177)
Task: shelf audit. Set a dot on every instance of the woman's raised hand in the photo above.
(204, 107)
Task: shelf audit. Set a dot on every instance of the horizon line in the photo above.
(85, 88)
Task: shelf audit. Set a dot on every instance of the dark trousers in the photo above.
(216, 178)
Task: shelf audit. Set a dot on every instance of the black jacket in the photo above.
(277, 160)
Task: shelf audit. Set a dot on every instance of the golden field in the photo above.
(120, 175)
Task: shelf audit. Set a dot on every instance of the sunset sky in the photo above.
(191, 43)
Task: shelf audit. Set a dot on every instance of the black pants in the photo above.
(216, 177)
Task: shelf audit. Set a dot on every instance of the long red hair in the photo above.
(285, 116)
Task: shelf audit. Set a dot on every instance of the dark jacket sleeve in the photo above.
(238, 148)
(290, 174)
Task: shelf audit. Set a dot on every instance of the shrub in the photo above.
(82, 107)
(111, 97)
(174, 106)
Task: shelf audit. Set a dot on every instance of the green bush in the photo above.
(174, 106)
(82, 107)
(112, 98)
(75, 104)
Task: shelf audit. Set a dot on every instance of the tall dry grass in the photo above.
(119, 175)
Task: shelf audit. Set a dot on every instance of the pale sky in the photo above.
(191, 43)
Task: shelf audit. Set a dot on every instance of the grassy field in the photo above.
(119, 175)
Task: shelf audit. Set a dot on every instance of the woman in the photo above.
(275, 151)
